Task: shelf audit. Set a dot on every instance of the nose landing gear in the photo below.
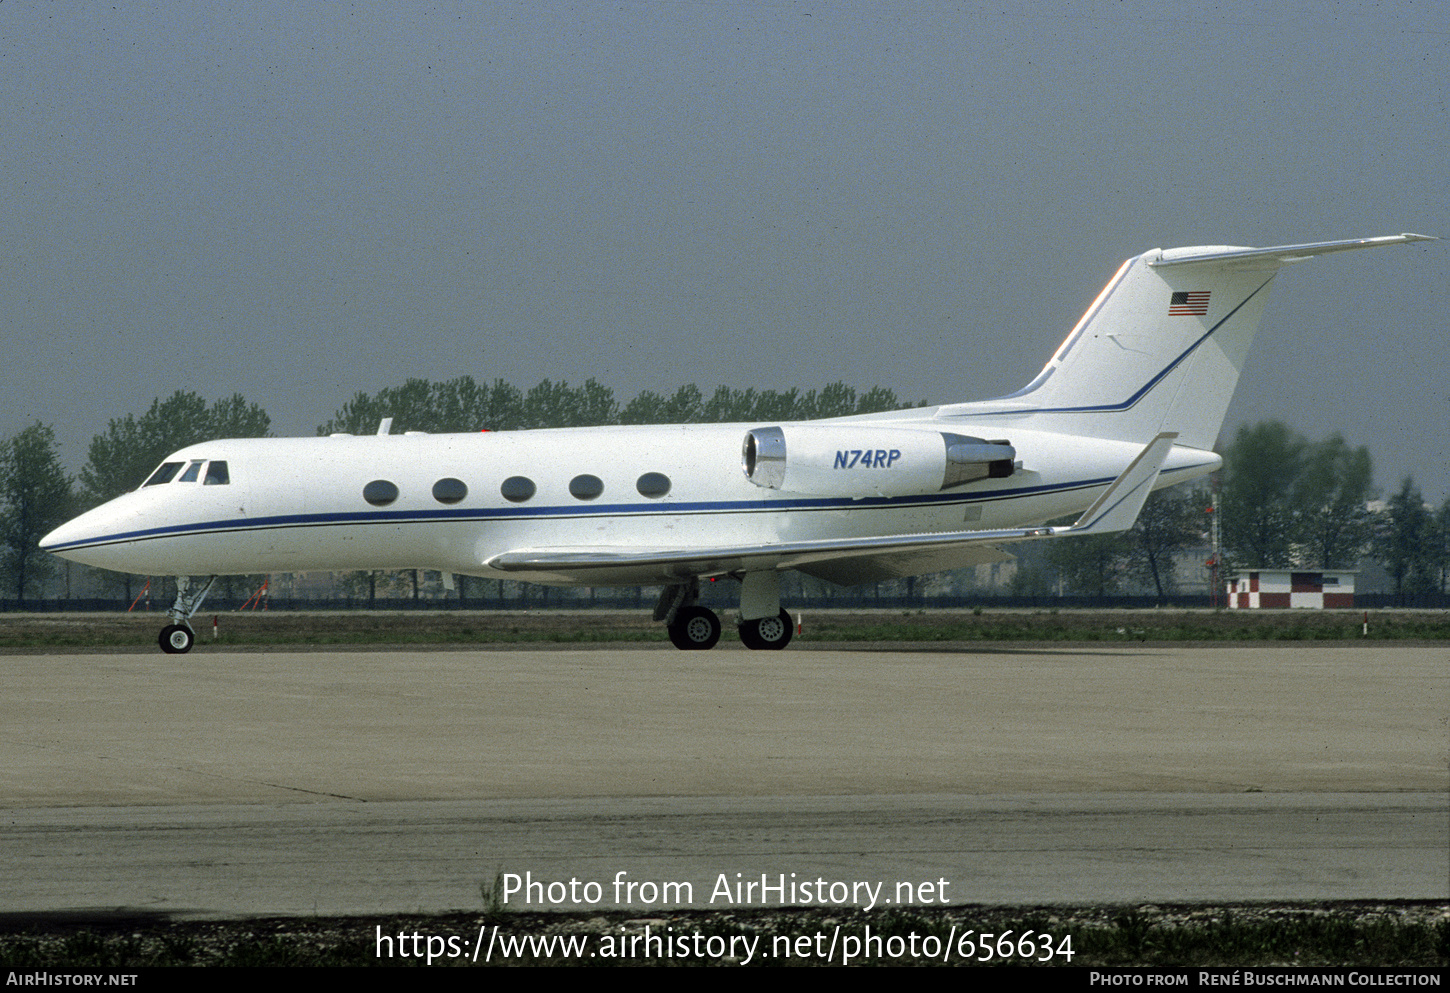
(178, 636)
(176, 640)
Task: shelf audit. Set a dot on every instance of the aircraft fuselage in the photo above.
(1132, 400)
(299, 504)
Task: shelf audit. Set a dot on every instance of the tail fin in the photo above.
(1162, 346)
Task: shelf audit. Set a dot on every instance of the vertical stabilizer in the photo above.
(1161, 348)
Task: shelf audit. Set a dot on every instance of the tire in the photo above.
(767, 633)
(695, 629)
(176, 639)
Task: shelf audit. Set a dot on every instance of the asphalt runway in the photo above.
(404, 781)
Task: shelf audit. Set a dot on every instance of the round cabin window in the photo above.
(380, 493)
(586, 487)
(449, 490)
(517, 489)
(653, 485)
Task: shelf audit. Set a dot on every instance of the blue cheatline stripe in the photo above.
(1132, 401)
(567, 513)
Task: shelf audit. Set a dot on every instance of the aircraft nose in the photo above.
(70, 533)
(72, 539)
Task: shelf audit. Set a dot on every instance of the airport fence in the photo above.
(722, 599)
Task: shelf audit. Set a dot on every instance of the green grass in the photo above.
(1122, 626)
(323, 628)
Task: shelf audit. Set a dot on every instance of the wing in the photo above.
(840, 560)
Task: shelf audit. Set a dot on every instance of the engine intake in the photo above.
(842, 460)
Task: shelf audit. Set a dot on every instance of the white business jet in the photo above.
(1130, 402)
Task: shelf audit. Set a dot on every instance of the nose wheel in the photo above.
(178, 637)
(176, 640)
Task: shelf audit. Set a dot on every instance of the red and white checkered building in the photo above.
(1282, 588)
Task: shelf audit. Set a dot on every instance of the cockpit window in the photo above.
(216, 474)
(192, 471)
(165, 474)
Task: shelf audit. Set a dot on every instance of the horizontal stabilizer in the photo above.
(1280, 254)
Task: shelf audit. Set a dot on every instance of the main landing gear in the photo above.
(767, 633)
(695, 628)
(690, 626)
(178, 636)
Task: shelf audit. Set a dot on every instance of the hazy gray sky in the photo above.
(300, 201)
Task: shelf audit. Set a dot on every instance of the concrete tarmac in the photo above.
(345, 857)
(350, 781)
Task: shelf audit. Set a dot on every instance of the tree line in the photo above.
(37, 495)
(1284, 500)
(465, 405)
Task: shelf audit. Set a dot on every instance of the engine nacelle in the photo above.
(850, 461)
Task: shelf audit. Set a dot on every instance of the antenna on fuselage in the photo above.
(385, 425)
